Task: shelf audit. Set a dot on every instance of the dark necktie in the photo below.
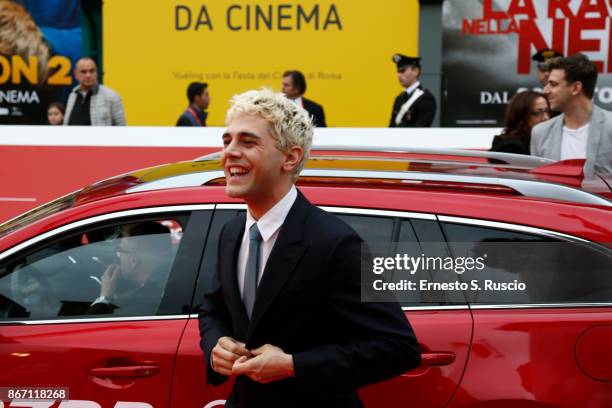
(251, 270)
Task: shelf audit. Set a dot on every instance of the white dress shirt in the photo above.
(412, 87)
(269, 227)
(574, 142)
(298, 101)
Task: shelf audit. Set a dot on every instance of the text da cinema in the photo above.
(279, 17)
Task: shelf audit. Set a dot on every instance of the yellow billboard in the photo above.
(153, 50)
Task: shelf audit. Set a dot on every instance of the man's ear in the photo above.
(576, 88)
(293, 157)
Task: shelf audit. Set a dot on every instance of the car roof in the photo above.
(448, 170)
(461, 170)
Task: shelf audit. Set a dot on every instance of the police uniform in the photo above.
(415, 108)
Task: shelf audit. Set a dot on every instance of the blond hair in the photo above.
(19, 35)
(289, 125)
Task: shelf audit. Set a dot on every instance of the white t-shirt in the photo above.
(574, 142)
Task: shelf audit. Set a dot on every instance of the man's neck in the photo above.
(412, 86)
(259, 208)
(85, 89)
(579, 114)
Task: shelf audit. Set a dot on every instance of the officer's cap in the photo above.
(403, 61)
(544, 56)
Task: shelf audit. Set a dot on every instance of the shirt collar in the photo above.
(275, 217)
(298, 101)
(412, 87)
(94, 90)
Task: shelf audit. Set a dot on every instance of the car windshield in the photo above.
(37, 213)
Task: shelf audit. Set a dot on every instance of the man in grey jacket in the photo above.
(583, 130)
(91, 103)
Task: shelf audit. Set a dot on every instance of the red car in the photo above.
(548, 347)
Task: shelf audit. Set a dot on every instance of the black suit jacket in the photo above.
(506, 144)
(420, 114)
(308, 304)
(187, 119)
(316, 111)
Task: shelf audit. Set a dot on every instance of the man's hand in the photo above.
(269, 363)
(225, 353)
(108, 280)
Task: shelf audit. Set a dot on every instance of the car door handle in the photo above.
(136, 371)
(437, 359)
(428, 360)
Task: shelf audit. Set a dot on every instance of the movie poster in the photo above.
(39, 43)
(488, 45)
(343, 47)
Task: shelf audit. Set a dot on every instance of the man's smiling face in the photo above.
(252, 164)
(559, 91)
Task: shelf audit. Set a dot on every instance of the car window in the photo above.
(385, 234)
(116, 270)
(420, 237)
(209, 260)
(553, 271)
(374, 230)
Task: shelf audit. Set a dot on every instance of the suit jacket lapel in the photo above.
(594, 138)
(283, 259)
(556, 137)
(230, 246)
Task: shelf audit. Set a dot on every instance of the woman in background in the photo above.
(55, 113)
(525, 110)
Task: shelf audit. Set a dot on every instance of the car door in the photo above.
(189, 388)
(52, 331)
(545, 343)
(442, 327)
(441, 321)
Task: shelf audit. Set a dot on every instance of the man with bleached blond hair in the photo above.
(284, 314)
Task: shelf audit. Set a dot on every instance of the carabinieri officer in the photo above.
(415, 106)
